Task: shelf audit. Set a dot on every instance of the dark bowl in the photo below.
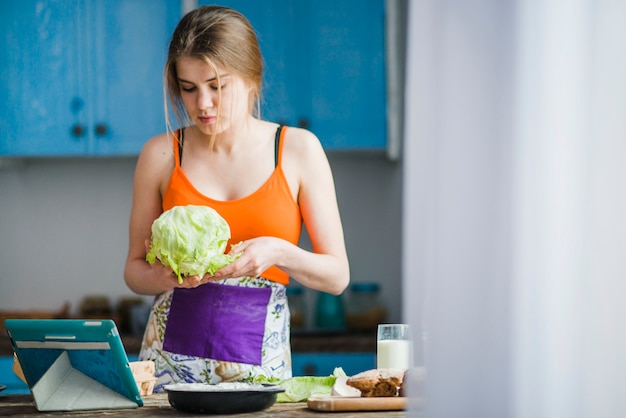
(211, 399)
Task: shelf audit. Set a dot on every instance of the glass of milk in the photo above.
(393, 346)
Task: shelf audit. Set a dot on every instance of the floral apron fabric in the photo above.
(231, 330)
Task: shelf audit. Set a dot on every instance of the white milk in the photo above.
(393, 354)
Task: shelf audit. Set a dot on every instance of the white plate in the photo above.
(221, 387)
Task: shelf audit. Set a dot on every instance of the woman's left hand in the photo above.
(257, 255)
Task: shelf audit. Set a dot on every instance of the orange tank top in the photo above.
(270, 211)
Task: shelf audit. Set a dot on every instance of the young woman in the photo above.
(264, 179)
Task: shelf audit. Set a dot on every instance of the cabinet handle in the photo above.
(78, 130)
(303, 123)
(76, 105)
(101, 129)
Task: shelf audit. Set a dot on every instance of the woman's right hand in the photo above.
(168, 279)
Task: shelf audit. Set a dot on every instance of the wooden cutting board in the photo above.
(349, 403)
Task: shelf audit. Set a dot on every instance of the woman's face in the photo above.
(199, 89)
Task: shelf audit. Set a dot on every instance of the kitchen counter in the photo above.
(157, 405)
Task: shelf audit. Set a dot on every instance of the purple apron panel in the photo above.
(219, 322)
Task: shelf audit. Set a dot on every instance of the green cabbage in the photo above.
(191, 240)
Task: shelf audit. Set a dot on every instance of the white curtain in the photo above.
(515, 206)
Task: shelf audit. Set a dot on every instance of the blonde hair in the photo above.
(221, 37)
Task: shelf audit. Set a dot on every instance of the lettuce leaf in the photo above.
(301, 388)
(191, 240)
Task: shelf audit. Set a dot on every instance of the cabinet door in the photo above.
(324, 67)
(276, 25)
(131, 38)
(41, 82)
(344, 47)
(82, 78)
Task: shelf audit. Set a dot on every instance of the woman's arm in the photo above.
(326, 268)
(154, 168)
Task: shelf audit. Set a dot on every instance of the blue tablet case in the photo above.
(74, 364)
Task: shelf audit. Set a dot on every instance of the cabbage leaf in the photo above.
(301, 388)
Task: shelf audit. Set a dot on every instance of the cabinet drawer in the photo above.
(323, 364)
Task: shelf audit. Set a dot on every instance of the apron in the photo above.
(231, 330)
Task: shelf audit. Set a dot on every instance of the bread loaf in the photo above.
(377, 382)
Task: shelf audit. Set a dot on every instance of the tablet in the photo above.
(74, 364)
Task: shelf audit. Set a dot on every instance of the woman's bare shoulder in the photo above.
(157, 154)
(302, 143)
(159, 145)
(304, 159)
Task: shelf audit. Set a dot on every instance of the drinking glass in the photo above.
(393, 346)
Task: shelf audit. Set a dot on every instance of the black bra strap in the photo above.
(181, 139)
(277, 144)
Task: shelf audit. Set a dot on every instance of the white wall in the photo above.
(515, 206)
(457, 209)
(63, 227)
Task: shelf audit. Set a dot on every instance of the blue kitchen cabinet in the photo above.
(82, 78)
(323, 364)
(325, 67)
(8, 378)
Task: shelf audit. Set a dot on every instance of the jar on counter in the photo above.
(365, 307)
(297, 307)
(329, 312)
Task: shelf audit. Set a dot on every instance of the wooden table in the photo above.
(157, 405)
